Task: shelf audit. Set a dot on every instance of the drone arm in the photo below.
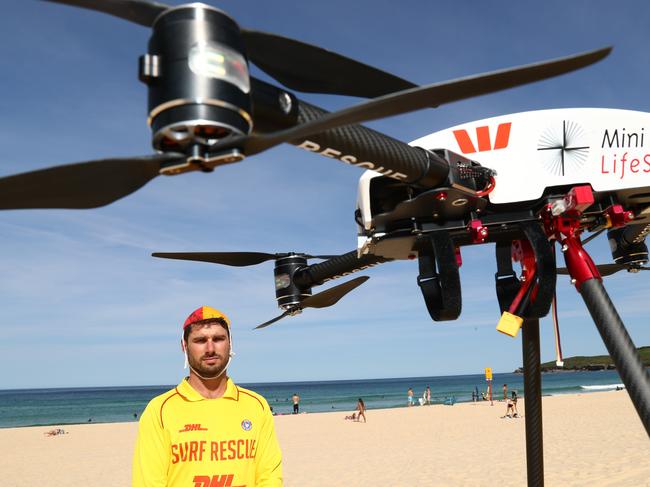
(360, 146)
(338, 266)
(275, 109)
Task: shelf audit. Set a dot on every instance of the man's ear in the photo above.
(183, 345)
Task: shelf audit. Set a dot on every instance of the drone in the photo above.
(523, 182)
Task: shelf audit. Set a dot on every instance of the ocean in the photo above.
(31, 407)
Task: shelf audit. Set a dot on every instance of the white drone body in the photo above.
(533, 152)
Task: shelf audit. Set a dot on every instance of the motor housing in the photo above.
(287, 293)
(197, 75)
(629, 253)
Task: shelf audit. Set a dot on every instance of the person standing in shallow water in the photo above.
(409, 397)
(296, 403)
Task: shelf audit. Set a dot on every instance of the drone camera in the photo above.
(197, 75)
(287, 293)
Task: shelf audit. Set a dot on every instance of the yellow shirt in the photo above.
(186, 440)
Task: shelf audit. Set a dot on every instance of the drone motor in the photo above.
(632, 253)
(287, 293)
(199, 87)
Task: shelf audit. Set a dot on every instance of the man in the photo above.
(409, 396)
(207, 431)
(296, 403)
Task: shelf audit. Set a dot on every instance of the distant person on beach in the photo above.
(361, 409)
(427, 395)
(505, 392)
(511, 406)
(55, 432)
(409, 397)
(296, 403)
(207, 430)
(513, 398)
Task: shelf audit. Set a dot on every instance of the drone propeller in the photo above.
(609, 269)
(73, 186)
(417, 98)
(323, 299)
(237, 259)
(81, 185)
(295, 64)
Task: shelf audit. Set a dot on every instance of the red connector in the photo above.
(477, 231)
(617, 216)
(579, 199)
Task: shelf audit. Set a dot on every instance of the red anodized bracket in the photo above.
(617, 216)
(477, 231)
(566, 229)
(523, 253)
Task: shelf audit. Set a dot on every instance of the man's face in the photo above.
(208, 349)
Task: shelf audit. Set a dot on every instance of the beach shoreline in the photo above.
(38, 407)
(589, 439)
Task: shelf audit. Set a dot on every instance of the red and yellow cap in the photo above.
(205, 313)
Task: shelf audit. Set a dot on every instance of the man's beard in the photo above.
(207, 371)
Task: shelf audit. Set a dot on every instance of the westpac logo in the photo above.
(483, 139)
(192, 427)
(214, 481)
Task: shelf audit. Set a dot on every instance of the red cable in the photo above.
(488, 189)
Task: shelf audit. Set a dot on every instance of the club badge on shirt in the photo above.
(246, 425)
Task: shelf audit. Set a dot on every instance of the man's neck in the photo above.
(209, 388)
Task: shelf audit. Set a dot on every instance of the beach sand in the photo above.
(592, 439)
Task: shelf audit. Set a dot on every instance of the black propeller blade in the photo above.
(237, 259)
(331, 296)
(295, 64)
(326, 298)
(277, 318)
(311, 69)
(417, 98)
(608, 269)
(82, 185)
(137, 11)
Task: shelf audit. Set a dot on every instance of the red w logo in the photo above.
(214, 481)
(483, 139)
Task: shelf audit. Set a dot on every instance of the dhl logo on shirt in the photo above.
(215, 481)
(192, 427)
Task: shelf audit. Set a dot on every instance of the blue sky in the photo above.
(83, 304)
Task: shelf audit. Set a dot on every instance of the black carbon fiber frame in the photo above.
(533, 403)
(317, 274)
(620, 347)
(369, 149)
